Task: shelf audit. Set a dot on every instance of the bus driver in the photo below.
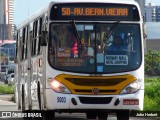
(117, 44)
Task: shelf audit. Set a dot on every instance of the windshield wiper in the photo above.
(76, 32)
(112, 30)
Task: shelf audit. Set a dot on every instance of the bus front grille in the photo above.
(91, 92)
(89, 81)
(95, 85)
(95, 100)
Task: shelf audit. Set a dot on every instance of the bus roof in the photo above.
(98, 1)
(45, 9)
(33, 16)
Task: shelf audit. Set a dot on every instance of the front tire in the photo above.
(122, 115)
(49, 115)
(102, 115)
(91, 115)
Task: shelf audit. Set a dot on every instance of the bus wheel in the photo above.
(49, 115)
(91, 115)
(122, 115)
(102, 115)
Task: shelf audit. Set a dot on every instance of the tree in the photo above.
(152, 62)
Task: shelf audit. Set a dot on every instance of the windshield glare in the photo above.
(102, 49)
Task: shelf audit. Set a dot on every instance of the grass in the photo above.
(152, 94)
(5, 89)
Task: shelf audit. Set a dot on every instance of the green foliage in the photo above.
(152, 61)
(149, 104)
(5, 89)
(152, 93)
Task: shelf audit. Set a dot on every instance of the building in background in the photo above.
(152, 13)
(142, 6)
(7, 19)
(1, 11)
(7, 34)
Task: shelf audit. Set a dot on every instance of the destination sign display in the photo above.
(94, 11)
(81, 11)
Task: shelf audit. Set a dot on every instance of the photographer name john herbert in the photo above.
(146, 115)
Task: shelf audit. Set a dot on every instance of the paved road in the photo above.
(10, 106)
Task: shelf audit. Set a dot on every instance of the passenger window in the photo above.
(41, 24)
(23, 43)
(34, 40)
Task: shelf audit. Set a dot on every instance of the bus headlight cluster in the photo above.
(132, 87)
(57, 86)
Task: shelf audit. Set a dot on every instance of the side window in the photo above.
(23, 43)
(37, 36)
(20, 43)
(17, 45)
(26, 39)
(31, 38)
(34, 40)
(41, 28)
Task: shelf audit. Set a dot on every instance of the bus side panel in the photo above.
(34, 72)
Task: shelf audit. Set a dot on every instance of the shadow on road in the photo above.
(69, 119)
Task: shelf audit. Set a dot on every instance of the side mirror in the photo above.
(144, 31)
(44, 38)
(144, 37)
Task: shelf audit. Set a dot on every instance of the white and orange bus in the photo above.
(64, 64)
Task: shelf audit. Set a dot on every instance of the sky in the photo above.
(25, 8)
(155, 2)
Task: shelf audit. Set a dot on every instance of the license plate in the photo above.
(130, 102)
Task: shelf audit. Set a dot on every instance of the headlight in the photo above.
(132, 87)
(57, 86)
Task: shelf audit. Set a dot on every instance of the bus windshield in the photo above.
(102, 49)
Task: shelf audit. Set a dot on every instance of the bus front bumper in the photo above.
(58, 101)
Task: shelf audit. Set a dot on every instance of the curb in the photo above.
(6, 103)
(6, 97)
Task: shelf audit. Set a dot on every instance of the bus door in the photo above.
(37, 59)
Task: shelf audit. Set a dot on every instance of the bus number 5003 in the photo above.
(61, 99)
